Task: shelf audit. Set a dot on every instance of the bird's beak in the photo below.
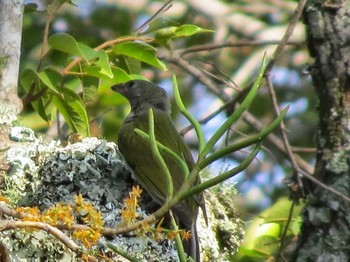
(120, 88)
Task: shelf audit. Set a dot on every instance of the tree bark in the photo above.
(11, 13)
(10, 46)
(325, 234)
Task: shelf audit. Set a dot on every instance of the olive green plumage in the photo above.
(143, 95)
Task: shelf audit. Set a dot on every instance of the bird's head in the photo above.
(143, 95)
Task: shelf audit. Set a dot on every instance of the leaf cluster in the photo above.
(88, 71)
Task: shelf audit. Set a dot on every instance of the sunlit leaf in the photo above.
(120, 76)
(103, 63)
(96, 72)
(165, 34)
(140, 51)
(67, 44)
(188, 30)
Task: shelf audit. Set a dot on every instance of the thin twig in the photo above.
(205, 120)
(297, 149)
(285, 231)
(163, 9)
(320, 184)
(285, 140)
(241, 43)
(66, 70)
(9, 225)
(277, 142)
(296, 16)
(44, 46)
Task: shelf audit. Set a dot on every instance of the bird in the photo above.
(143, 95)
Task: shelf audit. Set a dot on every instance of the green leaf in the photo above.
(134, 65)
(120, 76)
(30, 7)
(189, 30)
(140, 51)
(278, 213)
(89, 93)
(96, 72)
(70, 105)
(90, 87)
(74, 82)
(253, 253)
(50, 78)
(67, 44)
(103, 63)
(267, 243)
(28, 77)
(296, 226)
(165, 34)
(161, 22)
(30, 82)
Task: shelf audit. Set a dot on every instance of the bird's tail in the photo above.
(191, 245)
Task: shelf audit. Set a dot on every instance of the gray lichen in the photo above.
(42, 175)
(226, 230)
(339, 161)
(45, 174)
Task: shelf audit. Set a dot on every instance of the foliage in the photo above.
(50, 89)
(263, 236)
(75, 69)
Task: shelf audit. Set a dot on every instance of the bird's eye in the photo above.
(131, 84)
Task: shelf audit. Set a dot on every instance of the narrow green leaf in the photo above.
(245, 143)
(140, 51)
(187, 114)
(179, 245)
(238, 112)
(224, 176)
(182, 164)
(169, 181)
(122, 253)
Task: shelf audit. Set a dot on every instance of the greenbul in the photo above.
(143, 95)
